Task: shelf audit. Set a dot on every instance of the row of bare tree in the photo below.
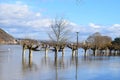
(99, 44)
(59, 39)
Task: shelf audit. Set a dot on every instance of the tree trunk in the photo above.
(116, 52)
(63, 51)
(94, 52)
(55, 61)
(107, 52)
(110, 52)
(85, 50)
(73, 52)
(46, 52)
(76, 52)
(23, 52)
(30, 58)
(56, 51)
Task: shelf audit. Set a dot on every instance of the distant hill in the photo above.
(6, 38)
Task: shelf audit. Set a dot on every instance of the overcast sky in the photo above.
(32, 18)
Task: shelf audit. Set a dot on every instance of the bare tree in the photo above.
(94, 41)
(85, 45)
(99, 42)
(59, 34)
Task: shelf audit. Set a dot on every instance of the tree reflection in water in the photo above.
(57, 64)
(28, 65)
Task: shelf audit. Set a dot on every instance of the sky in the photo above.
(32, 18)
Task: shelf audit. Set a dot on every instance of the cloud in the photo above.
(39, 23)
(86, 30)
(94, 25)
(38, 14)
(16, 11)
(20, 21)
(20, 15)
(109, 30)
(116, 25)
(114, 30)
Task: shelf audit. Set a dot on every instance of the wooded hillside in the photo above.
(6, 38)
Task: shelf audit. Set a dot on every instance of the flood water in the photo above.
(14, 67)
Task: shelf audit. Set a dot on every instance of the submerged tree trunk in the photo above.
(96, 52)
(46, 52)
(30, 58)
(55, 60)
(93, 52)
(116, 52)
(23, 51)
(73, 52)
(107, 52)
(85, 50)
(56, 51)
(63, 51)
(30, 54)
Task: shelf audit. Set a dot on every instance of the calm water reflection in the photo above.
(14, 67)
